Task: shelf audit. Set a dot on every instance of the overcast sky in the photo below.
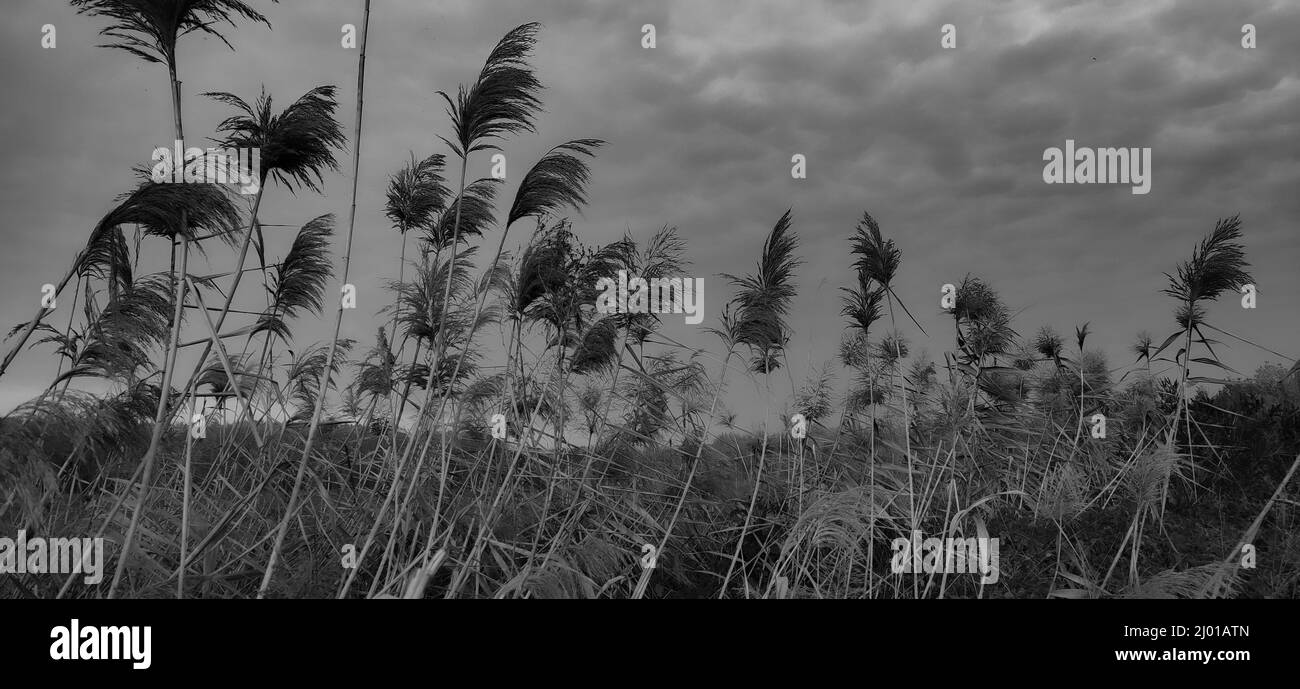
(943, 147)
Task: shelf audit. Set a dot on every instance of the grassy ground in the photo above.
(510, 519)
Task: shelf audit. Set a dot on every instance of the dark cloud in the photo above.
(943, 147)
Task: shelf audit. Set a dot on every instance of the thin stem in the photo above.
(323, 387)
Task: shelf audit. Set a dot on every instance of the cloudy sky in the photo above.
(943, 147)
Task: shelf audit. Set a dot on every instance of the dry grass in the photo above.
(380, 476)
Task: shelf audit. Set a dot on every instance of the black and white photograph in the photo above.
(873, 300)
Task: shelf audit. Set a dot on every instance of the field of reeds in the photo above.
(502, 437)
